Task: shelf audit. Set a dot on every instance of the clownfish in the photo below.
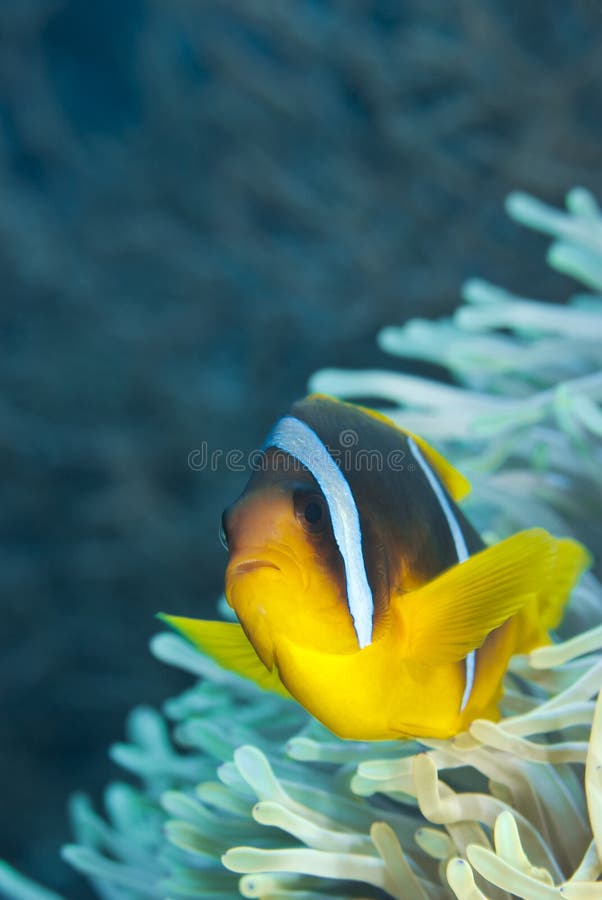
(363, 591)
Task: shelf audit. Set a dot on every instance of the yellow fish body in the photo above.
(363, 591)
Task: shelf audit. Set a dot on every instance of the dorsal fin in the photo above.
(456, 484)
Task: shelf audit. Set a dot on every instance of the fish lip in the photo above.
(249, 565)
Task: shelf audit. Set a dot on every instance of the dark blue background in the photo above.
(201, 203)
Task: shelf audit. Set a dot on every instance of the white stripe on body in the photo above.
(460, 547)
(296, 438)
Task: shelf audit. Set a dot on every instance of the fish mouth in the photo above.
(250, 565)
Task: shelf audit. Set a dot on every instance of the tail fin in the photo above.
(539, 618)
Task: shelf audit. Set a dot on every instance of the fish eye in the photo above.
(223, 534)
(311, 511)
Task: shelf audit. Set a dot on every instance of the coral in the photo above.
(241, 782)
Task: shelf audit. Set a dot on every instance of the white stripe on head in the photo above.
(460, 547)
(296, 438)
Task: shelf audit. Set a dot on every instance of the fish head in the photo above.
(285, 574)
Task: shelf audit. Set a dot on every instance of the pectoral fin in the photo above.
(445, 619)
(228, 645)
(571, 560)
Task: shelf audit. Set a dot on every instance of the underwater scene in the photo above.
(302, 444)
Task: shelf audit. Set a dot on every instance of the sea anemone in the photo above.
(236, 782)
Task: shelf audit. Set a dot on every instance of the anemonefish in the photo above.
(363, 591)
